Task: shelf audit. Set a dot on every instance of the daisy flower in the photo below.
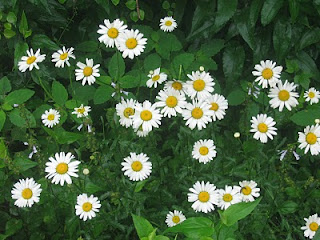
(197, 114)
(87, 72)
(156, 78)
(218, 105)
(249, 190)
(82, 111)
(140, 132)
(310, 139)
(174, 218)
(168, 24)
(26, 192)
(228, 197)
(62, 57)
(146, 115)
(61, 168)
(171, 102)
(267, 73)
(312, 95)
(283, 95)
(176, 85)
(204, 151)
(200, 86)
(110, 32)
(125, 110)
(263, 127)
(50, 118)
(131, 43)
(136, 166)
(87, 206)
(30, 61)
(312, 226)
(204, 196)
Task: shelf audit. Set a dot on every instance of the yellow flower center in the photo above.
(31, 59)
(168, 23)
(267, 73)
(81, 110)
(214, 106)
(176, 219)
(146, 115)
(203, 196)
(136, 166)
(113, 33)
(128, 112)
(227, 197)
(311, 94)
(27, 193)
(199, 85)
(87, 71)
(246, 190)
(63, 56)
(62, 168)
(284, 95)
(177, 85)
(262, 127)
(87, 206)
(50, 117)
(197, 113)
(172, 101)
(155, 78)
(314, 226)
(311, 138)
(131, 43)
(203, 150)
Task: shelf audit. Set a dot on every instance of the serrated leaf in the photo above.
(92, 188)
(19, 96)
(62, 136)
(103, 94)
(294, 8)
(2, 119)
(23, 26)
(59, 93)
(8, 33)
(269, 10)
(116, 66)
(309, 37)
(20, 50)
(44, 42)
(288, 207)
(184, 59)
(282, 38)
(23, 119)
(142, 225)
(11, 17)
(233, 60)
(305, 117)
(5, 86)
(212, 48)
(23, 164)
(152, 62)
(236, 97)
(88, 46)
(245, 28)
(115, 2)
(226, 9)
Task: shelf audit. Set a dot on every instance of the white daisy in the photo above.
(312, 95)
(131, 43)
(140, 133)
(111, 31)
(312, 226)
(87, 72)
(174, 218)
(87, 206)
(283, 95)
(228, 197)
(263, 127)
(82, 111)
(30, 61)
(168, 24)
(61, 168)
(156, 78)
(204, 151)
(204, 196)
(171, 102)
(136, 166)
(50, 118)
(267, 73)
(26, 192)
(125, 109)
(200, 86)
(218, 105)
(197, 114)
(146, 115)
(176, 85)
(310, 139)
(249, 190)
(62, 56)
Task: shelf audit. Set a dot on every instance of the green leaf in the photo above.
(305, 117)
(226, 232)
(8, 33)
(236, 97)
(255, 8)
(317, 236)
(161, 237)
(140, 185)
(13, 226)
(245, 28)
(238, 211)
(307, 64)
(62, 136)
(165, 5)
(84, 93)
(288, 207)
(23, 118)
(23, 164)
(44, 42)
(20, 50)
(88, 46)
(303, 79)
(269, 10)
(5, 86)
(184, 59)
(23, 26)
(282, 38)
(167, 43)
(19, 96)
(103, 94)
(226, 9)
(92, 188)
(142, 225)
(11, 17)
(152, 62)
(59, 93)
(210, 49)
(294, 8)
(130, 81)
(194, 227)
(115, 2)
(131, 4)
(233, 60)
(309, 37)
(2, 119)
(116, 66)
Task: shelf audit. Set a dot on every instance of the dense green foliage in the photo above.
(227, 38)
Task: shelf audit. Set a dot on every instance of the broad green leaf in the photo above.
(44, 42)
(5, 86)
(116, 66)
(2, 119)
(233, 60)
(288, 207)
(88, 46)
(152, 235)
(84, 93)
(282, 39)
(317, 236)
(237, 212)
(226, 232)
(309, 37)
(22, 118)
(115, 2)
(59, 93)
(303, 79)
(23, 26)
(13, 226)
(226, 9)
(294, 8)
(11, 17)
(212, 48)
(20, 49)
(62, 136)
(133, 79)
(167, 43)
(140, 185)
(19, 96)
(142, 225)
(131, 4)
(269, 10)
(103, 94)
(161, 237)
(305, 117)
(23, 164)
(8, 33)
(184, 59)
(307, 64)
(151, 62)
(245, 28)
(255, 8)
(92, 188)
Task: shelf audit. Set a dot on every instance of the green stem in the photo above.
(139, 77)
(41, 84)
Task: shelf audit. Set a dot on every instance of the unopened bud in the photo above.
(236, 134)
(201, 68)
(317, 120)
(150, 72)
(86, 171)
